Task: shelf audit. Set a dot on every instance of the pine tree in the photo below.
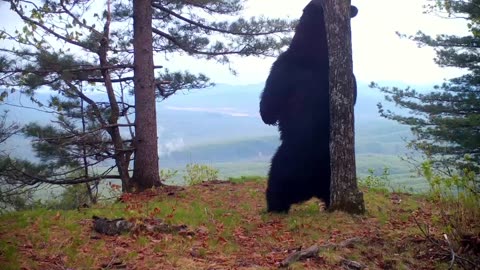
(82, 48)
(74, 146)
(145, 173)
(446, 121)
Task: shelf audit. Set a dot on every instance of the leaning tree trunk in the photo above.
(146, 170)
(345, 195)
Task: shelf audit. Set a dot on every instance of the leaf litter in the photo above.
(223, 225)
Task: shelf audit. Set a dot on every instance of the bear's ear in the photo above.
(319, 3)
(353, 11)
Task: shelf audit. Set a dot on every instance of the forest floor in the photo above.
(226, 227)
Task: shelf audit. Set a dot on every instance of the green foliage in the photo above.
(71, 197)
(174, 31)
(19, 199)
(112, 192)
(446, 125)
(10, 254)
(171, 82)
(7, 129)
(197, 173)
(458, 198)
(446, 120)
(14, 173)
(458, 190)
(92, 53)
(376, 182)
(247, 178)
(227, 226)
(167, 174)
(74, 196)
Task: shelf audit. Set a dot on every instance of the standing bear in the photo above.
(296, 97)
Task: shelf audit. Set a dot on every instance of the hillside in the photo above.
(221, 127)
(221, 114)
(377, 138)
(222, 225)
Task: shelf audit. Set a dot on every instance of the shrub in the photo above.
(376, 182)
(197, 173)
(21, 199)
(458, 201)
(72, 197)
(167, 174)
(456, 195)
(246, 178)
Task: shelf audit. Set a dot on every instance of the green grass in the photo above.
(243, 179)
(230, 226)
(10, 254)
(401, 175)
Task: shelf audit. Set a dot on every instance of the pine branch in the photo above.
(191, 50)
(92, 103)
(46, 29)
(219, 30)
(76, 20)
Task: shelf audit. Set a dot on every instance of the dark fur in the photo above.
(296, 97)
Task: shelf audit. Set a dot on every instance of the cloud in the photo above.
(170, 146)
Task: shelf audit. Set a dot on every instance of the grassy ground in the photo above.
(231, 231)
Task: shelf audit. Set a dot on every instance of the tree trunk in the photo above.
(121, 155)
(146, 169)
(345, 195)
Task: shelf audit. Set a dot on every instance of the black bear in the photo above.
(296, 97)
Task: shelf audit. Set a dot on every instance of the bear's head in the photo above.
(319, 4)
(310, 34)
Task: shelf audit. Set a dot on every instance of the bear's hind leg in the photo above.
(276, 202)
(288, 179)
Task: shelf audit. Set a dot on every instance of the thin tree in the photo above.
(345, 195)
(11, 196)
(45, 53)
(66, 46)
(75, 143)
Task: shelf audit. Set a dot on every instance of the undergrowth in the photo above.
(197, 173)
(458, 202)
(230, 228)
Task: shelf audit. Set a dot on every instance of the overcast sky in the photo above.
(378, 53)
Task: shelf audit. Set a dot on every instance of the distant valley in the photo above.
(221, 127)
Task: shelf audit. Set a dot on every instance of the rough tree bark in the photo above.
(146, 168)
(345, 195)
